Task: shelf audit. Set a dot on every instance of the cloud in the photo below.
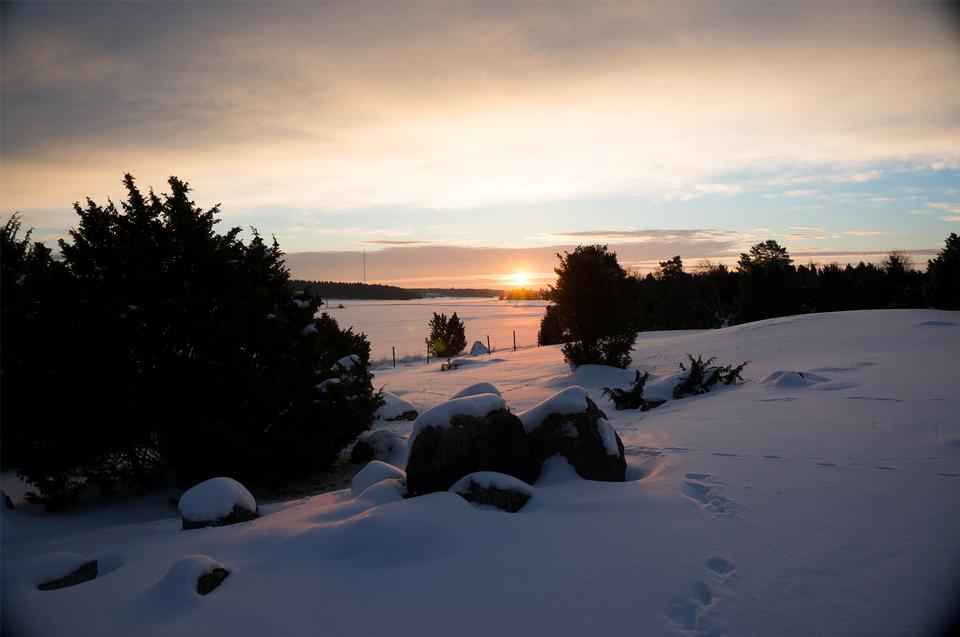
(349, 105)
(806, 227)
(801, 192)
(864, 233)
(948, 206)
(951, 218)
(395, 242)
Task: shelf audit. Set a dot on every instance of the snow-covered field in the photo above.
(405, 324)
(826, 503)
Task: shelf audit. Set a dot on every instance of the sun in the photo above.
(521, 279)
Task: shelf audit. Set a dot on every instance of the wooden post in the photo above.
(488, 344)
(394, 355)
(428, 354)
(514, 340)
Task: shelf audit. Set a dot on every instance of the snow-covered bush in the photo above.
(702, 375)
(632, 398)
(157, 343)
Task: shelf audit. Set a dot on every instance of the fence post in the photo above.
(428, 354)
(488, 344)
(514, 340)
(394, 348)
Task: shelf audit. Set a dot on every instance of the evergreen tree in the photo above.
(767, 283)
(168, 345)
(593, 296)
(551, 331)
(447, 336)
(943, 276)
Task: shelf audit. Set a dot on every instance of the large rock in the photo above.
(494, 489)
(190, 576)
(378, 445)
(217, 502)
(569, 423)
(62, 569)
(464, 435)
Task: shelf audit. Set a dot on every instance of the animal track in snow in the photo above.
(692, 614)
(702, 489)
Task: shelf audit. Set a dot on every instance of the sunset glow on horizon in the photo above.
(452, 140)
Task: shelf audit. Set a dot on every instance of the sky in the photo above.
(460, 143)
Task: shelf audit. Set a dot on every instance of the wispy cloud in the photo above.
(948, 206)
(864, 233)
(806, 227)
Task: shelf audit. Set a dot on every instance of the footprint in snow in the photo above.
(703, 490)
(693, 613)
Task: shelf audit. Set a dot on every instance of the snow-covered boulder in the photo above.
(373, 473)
(477, 389)
(395, 408)
(571, 424)
(378, 445)
(61, 569)
(464, 435)
(217, 502)
(494, 489)
(190, 576)
(478, 348)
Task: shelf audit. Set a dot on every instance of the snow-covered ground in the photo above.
(821, 504)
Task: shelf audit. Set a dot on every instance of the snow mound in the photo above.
(491, 480)
(374, 472)
(215, 498)
(180, 582)
(596, 376)
(393, 407)
(441, 415)
(53, 566)
(478, 348)
(476, 389)
(383, 492)
(571, 400)
(345, 363)
(793, 379)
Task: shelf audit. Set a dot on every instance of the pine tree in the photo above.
(594, 300)
(943, 276)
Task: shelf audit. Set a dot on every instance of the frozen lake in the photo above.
(404, 324)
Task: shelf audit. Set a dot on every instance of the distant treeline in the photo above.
(343, 290)
(766, 284)
(525, 294)
(462, 293)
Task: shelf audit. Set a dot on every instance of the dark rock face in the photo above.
(239, 514)
(378, 445)
(506, 499)
(83, 574)
(439, 456)
(576, 438)
(209, 581)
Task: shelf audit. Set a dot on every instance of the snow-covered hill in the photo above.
(821, 497)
